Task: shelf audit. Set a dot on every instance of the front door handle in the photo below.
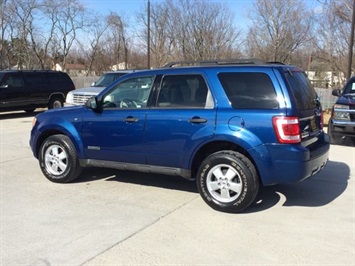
(197, 120)
(131, 119)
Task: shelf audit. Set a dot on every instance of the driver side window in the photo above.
(14, 81)
(131, 93)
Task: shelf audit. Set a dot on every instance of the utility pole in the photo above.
(351, 43)
(148, 36)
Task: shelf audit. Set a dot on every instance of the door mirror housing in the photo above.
(94, 104)
(336, 92)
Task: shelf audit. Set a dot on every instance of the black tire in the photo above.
(237, 186)
(58, 159)
(56, 102)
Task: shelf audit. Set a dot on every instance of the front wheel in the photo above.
(228, 181)
(58, 159)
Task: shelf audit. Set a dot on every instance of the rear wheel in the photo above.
(228, 181)
(56, 102)
(58, 159)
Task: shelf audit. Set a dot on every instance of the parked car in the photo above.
(28, 90)
(342, 121)
(231, 125)
(80, 96)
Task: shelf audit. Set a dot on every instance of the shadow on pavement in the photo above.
(137, 178)
(317, 191)
(8, 115)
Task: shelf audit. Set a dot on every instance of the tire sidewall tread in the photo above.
(73, 170)
(248, 175)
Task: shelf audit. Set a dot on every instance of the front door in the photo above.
(12, 91)
(117, 133)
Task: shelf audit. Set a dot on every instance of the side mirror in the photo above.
(336, 92)
(94, 104)
(93, 84)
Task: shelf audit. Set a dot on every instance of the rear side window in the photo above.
(302, 90)
(33, 79)
(249, 90)
(184, 91)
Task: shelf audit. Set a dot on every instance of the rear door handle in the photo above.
(197, 120)
(131, 119)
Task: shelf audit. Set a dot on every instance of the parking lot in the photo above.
(110, 217)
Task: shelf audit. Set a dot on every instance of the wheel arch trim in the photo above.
(66, 129)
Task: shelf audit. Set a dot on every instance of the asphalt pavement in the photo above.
(110, 217)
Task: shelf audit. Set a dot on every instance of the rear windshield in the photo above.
(249, 90)
(302, 90)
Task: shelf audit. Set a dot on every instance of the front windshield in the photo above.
(107, 79)
(350, 88)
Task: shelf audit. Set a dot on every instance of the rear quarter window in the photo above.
(249, 90)
(59, 81)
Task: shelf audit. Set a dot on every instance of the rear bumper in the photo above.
(283, 164)
(341, 128)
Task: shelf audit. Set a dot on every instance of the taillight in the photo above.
(322, 120)
(287, 129)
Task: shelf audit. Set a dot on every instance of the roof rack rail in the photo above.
(246, 61)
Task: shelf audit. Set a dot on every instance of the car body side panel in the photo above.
(107, 135)
(170, 138)
(59, 121)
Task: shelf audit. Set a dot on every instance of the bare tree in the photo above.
(96, 30)
(203, 30)
(332, 38)
(5, 22)
(69, 18)
(22, 23)
(190, 30)
(119, 39)
(278, 29)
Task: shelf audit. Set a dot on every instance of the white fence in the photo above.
(326, 98)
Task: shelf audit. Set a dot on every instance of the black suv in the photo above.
(342, 121)
(28, 90)
(231, 125)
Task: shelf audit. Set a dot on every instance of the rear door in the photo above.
(182, 118)
(36, 91)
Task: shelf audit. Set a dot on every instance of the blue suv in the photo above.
(231, 125)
